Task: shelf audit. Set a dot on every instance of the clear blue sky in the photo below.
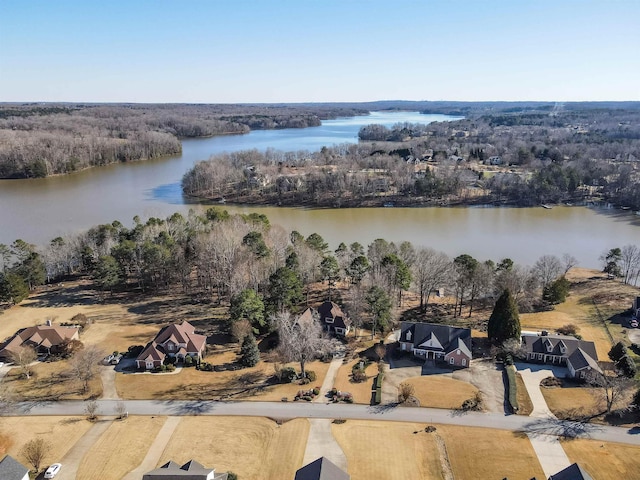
(230, 51)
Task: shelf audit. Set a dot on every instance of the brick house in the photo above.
(174, 340)
(440, 343)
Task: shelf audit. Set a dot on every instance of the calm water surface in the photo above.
(38, 210)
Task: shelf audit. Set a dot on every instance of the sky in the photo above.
(242, 51)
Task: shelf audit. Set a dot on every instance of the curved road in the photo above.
(287, 410)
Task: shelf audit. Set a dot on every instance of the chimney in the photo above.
(48, 322)
(544, 333)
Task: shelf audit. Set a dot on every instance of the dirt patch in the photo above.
(61, 432)
(252, 447)
(604, 461)
(120, 449)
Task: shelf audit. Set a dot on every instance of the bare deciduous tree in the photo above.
(405, 391)
(241, 329)
(23, 357)
(35, 451)
(121, 410)
(84, 365)
(91, 409)
(431, 270)
(612, 391)
(547, 268)
(301, 339)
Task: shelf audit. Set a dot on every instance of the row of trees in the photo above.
(623, 263)
(37, 141)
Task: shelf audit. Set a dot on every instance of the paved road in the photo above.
(287, 410)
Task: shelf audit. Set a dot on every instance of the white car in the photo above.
(53, 470)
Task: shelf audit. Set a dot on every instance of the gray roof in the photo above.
(539, 344)
(321, 469)
(580, 360)
(332, 310)
(572, 472)
(449, 337)
(11, 469)
(191, 470)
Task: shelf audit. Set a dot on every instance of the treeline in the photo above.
(40, 140)
(243, 258)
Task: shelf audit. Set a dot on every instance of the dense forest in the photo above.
(38, 140)
(230, 258)
(534, 156)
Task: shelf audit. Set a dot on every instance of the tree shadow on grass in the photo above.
(561, 428)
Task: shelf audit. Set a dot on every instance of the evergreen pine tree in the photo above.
(504, 322)
(250, 355)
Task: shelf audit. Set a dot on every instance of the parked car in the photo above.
(53, 470)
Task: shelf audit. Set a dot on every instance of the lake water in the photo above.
(41, 209)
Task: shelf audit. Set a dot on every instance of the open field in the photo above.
(604, 461)
(61, 432)
(120, 449)
(361, 391)
(572, 401)
(246, 384)
(254, 448)
(388, 450)
(441, 392)
(405, 450)
(50, 381)
(490, 454)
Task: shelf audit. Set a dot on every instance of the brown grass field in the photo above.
(254, 448)
(61, 432)
(572, 401)
(50, 382)
(246, 384)
(120, 449)
(604, 461)
(388, 450)
(489, 454)
(441, 392)
(405, 450)
(361, 391)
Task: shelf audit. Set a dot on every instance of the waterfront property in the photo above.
(579, 356)
(438, 343)
(176, 341)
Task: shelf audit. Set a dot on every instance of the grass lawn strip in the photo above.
(441, 392)
(525, 405)
(192, 384)
(61, 432)
(253, 447)
(604, 461)
(361, 391)
(120, 449)
(572, 401)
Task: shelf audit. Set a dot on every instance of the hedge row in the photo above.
(378, 384)
(513, 387)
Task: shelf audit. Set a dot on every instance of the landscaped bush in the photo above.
(311, 375)
(551, 382)
(134, 350)
(473, 404)
(316, 391)
(287, 375)
(304, 381)
(188, 361)
(169, 368)
(169, 360)
(206, 366)
(513, 387)
(569, 329)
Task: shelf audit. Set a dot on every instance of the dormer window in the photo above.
(408, 335)
(549, 346)
(328, 319)
(563, 347)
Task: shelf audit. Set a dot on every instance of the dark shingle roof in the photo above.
(191, 470)
(11, 469)
(448, 337)
(321, 469)
(572, 472)
(540, 344)
(332, 310)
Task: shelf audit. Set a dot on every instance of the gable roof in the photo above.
(539, 343)
(580, 360)
(333, 310)
(321, 469)
(572, 472)
(443, 338)
(183, 333)
(41, 335)
(11, 469)
(191, 470)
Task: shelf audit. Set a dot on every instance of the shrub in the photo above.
(287, 375)
(206, 366)
(305, 381)
(358, 375)
(232, 476)
(188, 361)
(169, 368)
(311, 375)
(473, 404)
(627, 366)
(316, 391)
(134, 350)
(617, 352)
(405, 390)
(550, 382)
(557, 291)
(569, 329)
(513, 387)
(378, 398)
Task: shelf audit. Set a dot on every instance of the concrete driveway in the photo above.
(532, 375)
(487, 377)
